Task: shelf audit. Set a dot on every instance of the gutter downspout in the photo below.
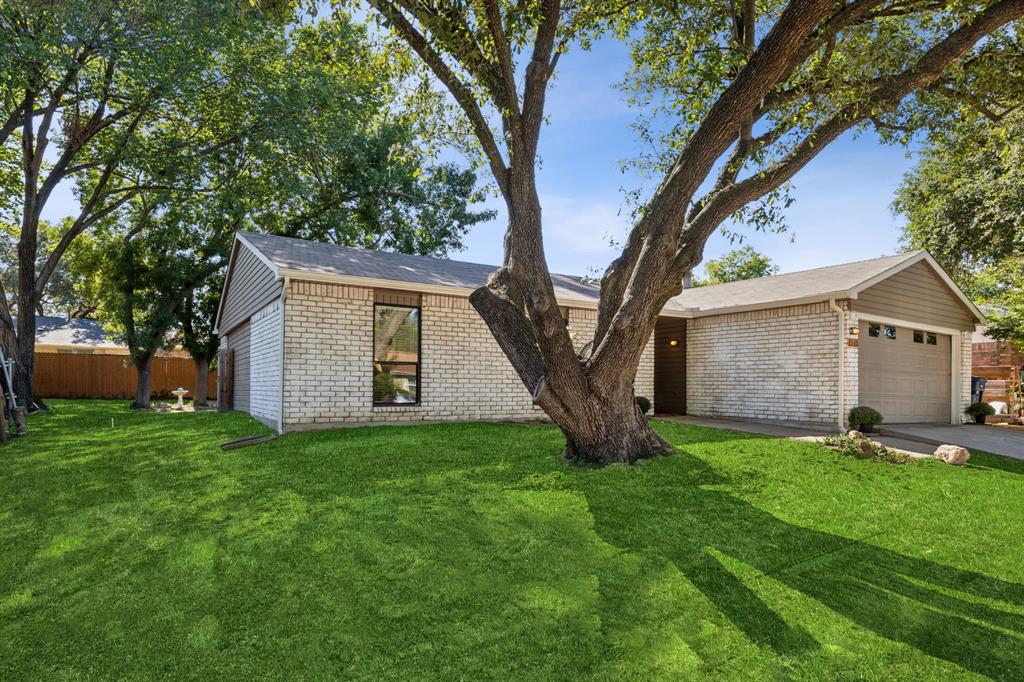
(280, 404)
(841, 384)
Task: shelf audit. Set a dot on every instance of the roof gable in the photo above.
(918, 291)
(251, 282)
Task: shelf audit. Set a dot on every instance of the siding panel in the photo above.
(239, 341)
(252, 286)
(917, 294)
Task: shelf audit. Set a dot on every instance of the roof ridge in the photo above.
(905, 255)
(360, 249)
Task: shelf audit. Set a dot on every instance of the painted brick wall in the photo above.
(966, 367)
(851, 359)
(328, 345)
(265, 364)
(463, 373)
(777, 364)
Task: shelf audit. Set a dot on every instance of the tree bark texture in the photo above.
(598, 415)
(202, 384)
(143, 387)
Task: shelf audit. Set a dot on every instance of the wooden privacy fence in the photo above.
(69, 375)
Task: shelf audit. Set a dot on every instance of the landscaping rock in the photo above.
(855, 434)
(952, 454)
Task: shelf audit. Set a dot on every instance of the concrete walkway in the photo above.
(778, 430)
(798, 432)
(998, 441)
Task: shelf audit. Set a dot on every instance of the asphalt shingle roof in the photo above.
(815, 283)
(59, 331)
(308, 256)
(316, 257)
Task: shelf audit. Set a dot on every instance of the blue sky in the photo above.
(841, 211)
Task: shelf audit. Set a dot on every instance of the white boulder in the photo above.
(952, 454)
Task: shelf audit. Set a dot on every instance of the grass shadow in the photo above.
(964, 617)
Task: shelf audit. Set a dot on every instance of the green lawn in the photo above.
(141, 550)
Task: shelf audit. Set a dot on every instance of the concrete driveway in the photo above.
(998, 441)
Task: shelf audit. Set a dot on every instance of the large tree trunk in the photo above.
(202, 384)
(611, 429)
(24, 361)
(144, 367)
(594, 407)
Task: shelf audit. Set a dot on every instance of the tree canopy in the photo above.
(964, 200)
(738, 264)
(964, 203)
(180, 123)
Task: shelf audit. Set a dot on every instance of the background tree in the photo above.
(297, 130)
(79, 76)
(999, 288)
(738, 264)
(752, 92)
(60, 295)
(141, 269)
(964, 200)
(964, 203)
(196, 316)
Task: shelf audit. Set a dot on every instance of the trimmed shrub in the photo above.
(980, 410)
(864, 416)
(644, 404)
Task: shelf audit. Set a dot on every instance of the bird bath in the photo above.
(180, 392)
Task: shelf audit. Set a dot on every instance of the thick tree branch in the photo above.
(538, 73)
(459, 90)
(928, 69)
(504, 54)
(89, 213)
(661, 225)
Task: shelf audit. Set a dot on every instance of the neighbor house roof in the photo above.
(304, 259)
(73, 333)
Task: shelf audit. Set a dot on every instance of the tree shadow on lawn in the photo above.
(934, 608)
(390, 550)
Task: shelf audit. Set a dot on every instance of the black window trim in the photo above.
(419, 353)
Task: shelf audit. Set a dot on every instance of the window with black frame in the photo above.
(396, 355)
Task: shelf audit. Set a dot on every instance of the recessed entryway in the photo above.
(670, 365)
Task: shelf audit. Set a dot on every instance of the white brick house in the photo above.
(319, 335)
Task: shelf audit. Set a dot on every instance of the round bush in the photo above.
(862, 415)
(980, 410)
(644, 404)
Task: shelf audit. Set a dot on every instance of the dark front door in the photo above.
(670, 366)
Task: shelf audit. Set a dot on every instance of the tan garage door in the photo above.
(905, 373)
